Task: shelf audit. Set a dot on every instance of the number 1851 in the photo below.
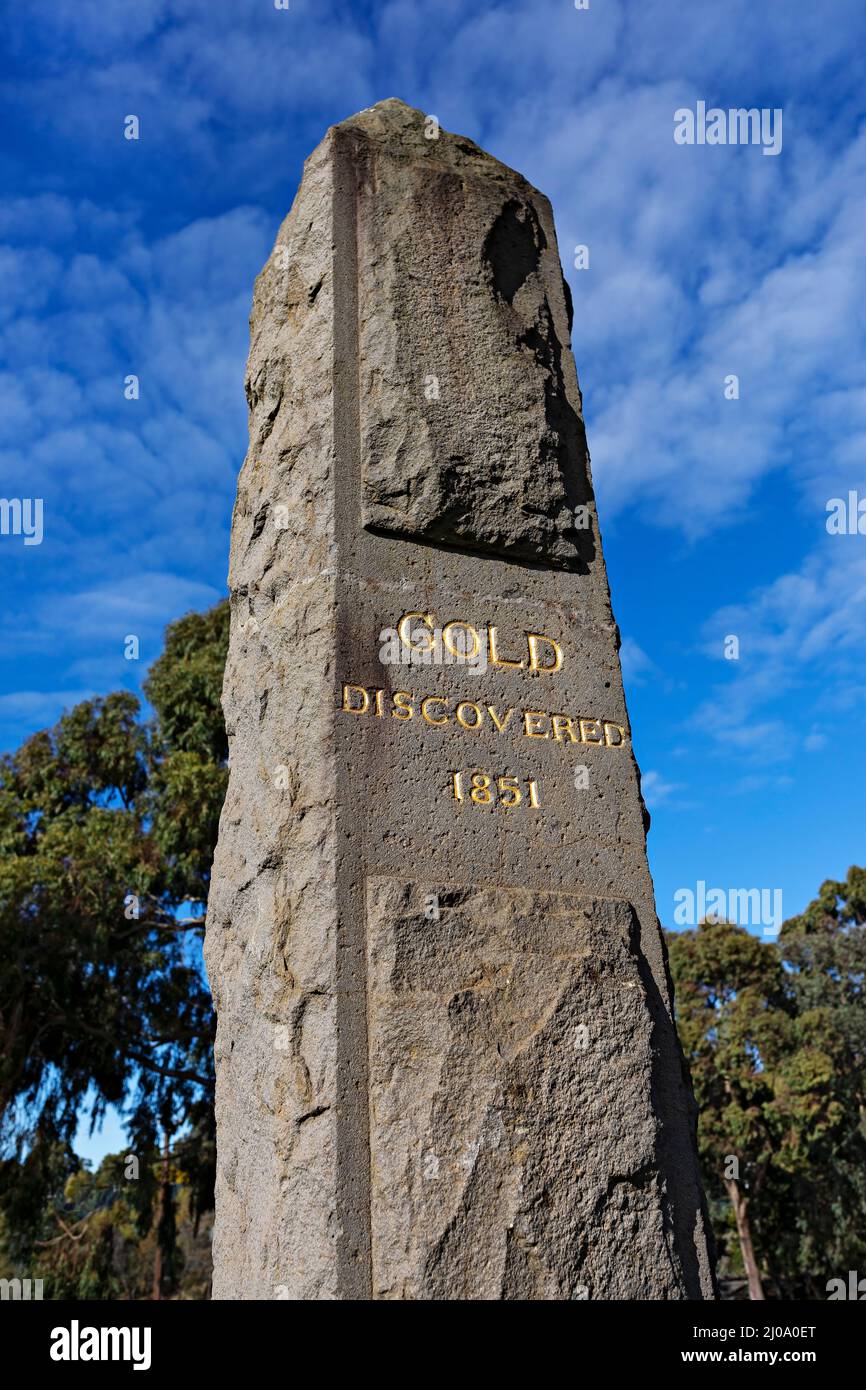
(500, 791)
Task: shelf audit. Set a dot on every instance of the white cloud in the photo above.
(802, 635)
(703, 262)
(636, 665)
(39, 707)
(656, 789)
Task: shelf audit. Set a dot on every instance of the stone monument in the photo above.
(446, 1062)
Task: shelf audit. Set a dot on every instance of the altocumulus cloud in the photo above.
(803, 636)
(703, 263)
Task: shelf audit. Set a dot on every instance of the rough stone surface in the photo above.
(455, 248)
(446, 1065)
(501, 1167)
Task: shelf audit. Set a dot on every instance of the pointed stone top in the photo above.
(412, 132)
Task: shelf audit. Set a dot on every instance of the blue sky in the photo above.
(121, 257)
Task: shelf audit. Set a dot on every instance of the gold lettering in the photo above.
(562, 726)
(481, 793)
(457, 651)
(533, 639)
(380, 696)
(495, 658)
(533, 714)
(433, 700)
(607, 738)
(501, 724)
(467, 704)
(401, 709)
(355, 709)
(584, 725)
(405, 635)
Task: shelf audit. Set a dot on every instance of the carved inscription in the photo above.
(532, 653)
(484, 790)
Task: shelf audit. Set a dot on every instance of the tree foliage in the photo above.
(93, 1244)
(774, 1036)
(107, 828)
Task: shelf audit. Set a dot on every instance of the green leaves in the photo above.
(107, 826)
(184, 801)
(775, 1038)
(185, 685)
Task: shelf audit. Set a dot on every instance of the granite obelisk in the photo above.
(446, 1062)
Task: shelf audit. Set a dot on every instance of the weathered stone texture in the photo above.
(454, 248)
(446, 1063)
(508, 1040)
